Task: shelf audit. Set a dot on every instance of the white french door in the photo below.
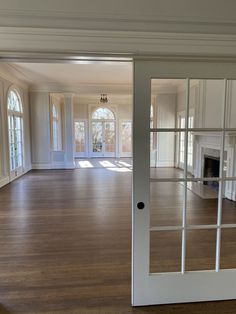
(15, 145)
(80, 134)
(103, 138)
(125, 138)
(179, 254)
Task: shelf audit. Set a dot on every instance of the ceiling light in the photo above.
(103, 98)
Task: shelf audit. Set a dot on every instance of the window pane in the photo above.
(126, 137)
(228, 248)
(170, 98)
(200, 249)
(80, 136)
(166, 203)
(103, 113)
(206, 102)
(97, 136)
(165, 251)
(231, 105)
(229, 169)
(109, 136)
(56, 127)
(229, 202)
(204, 151)
(13, 102)
(164, 160)
(202, 203)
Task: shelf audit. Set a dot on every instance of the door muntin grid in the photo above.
(188, 132)
(15, 130)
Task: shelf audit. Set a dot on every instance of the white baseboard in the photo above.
(4, 181)
(55, 165)
(70, 165)
(63, 165)
(230, 195)
(165, 164)
(7, 179)
(41, 166)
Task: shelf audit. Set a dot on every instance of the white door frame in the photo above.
(161, 288)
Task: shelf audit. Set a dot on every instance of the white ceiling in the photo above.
(84, 77)
(84, 72)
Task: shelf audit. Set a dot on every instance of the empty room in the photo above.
(117, 156)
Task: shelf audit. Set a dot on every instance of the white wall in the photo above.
(6, 81)
(43, 157)
(40, 130)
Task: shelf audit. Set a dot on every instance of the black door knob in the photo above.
(140, 205)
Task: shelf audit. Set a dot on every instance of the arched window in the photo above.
(13, 102)
(15, 130)
(103, 114)
(103, 132)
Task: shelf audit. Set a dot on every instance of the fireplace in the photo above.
(211, 170)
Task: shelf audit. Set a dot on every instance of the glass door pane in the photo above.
(126, 141)
(97, 137)
(11, 142)
(80, 137)
(109, 137)
(18, 141)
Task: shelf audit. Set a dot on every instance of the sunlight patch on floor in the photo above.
(85, 164)
(107, 164)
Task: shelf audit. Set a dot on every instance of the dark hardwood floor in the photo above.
(65, 244)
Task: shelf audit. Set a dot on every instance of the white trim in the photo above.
(62, 165)
(41, 166)
(9, 73)
(72, 41)
(72, 14)
(4, 181)
(160, 164)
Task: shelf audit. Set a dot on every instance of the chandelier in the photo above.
(103, 98)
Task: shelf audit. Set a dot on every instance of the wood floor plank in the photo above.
(65, 245)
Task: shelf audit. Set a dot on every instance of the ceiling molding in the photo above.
(110, 18)
(9, 74)
(129, 43)
(95, 88)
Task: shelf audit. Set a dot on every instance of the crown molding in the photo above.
(112, 19)
(84, 88)
(70, 42)
(9, 74)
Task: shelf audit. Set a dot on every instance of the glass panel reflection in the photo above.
(206, 105)
(200, 249)
(202, 203)
(97, 136)
(228, 248)
(165, 251)
(166, 203)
